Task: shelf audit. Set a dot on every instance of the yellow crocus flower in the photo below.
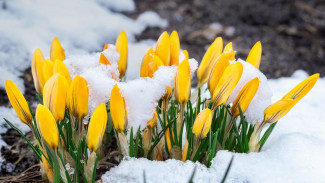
(150, 64)
(48, 68)
(182, 83)
(104, 60)
(174, 48)
(184, 154)
(54, 95)
(56, 52)
(254, 56)
(153, 121)
(77, 98)
(186, 54)
(277, 110)
(37, 70)
(118, 109)
(59, 67)
(227, 83)
(202, 123)
(19, 103)
(208, 60)
(47, 126)
(218, 69)
(122, 48)
(168, 141)
(96, 128)
(245, 96)
(163, 48)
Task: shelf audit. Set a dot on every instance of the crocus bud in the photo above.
(54, 95)
(254, 56)
(186, 54)
(153, 121)
(77, 98)
(122, 48)
(47, 127)
(56, 52)
(48, 68)
(227, 83)
(202, 123)
(209, 58)
(118, 110)
(184, 154)
(163, 48)
(168, 141)
(37, 70)
(168, 94)
(104, 60)
(182, 84)
(245, 96)
(174, 48)
(150, 64)
(18, 102)
(277, 110)
(59, 67)
(96, 128)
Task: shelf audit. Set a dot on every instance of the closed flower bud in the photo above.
(47, 126)
(77, 98)
(245, 96)
(254, 56)
(56, 52)
(104, 60)
(174, 48)
(277, 110)
(209, 58)
(96, 128)
(186, 54)
(48, 68)
(37, 70)
(59, 67)
(182, 84)
(227, 83)
(153, 121)
(163, 48)
(54, 95)
(150, 64)
(202, 123)
(118, 109)
(122, 48)
(168, 94)
(19, 103)
(168, 141)
(184, 154)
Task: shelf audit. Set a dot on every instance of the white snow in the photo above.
(293, 153)
(151, 19)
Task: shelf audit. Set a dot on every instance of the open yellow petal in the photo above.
(245, 96)
(96, 128)
(277, 110)
(227, 83)
(163, 48)
(302, 88)
(174, 48)
(153, 121)
(54, 95)
(202, 123)
(209, 58)
(18, 102)
(77, 100)
(59, 67)
(118, 109)
(104, 60)
(122, 48)
(47, 126)
(56, 52)
(37, 70)
(254, 56)
(182, 82)
(186, 54)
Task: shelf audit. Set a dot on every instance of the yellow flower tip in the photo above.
(54, 95)
(18, 102)
(245, 96)
(37, 70)
(118, 109)
(48, 169)
(209, 59)
(104, 60)
(96, 128)
(217, 70)
(153, 121)
(168, 94)
(174, 48)
(227, 83)
(254, 56)
(185, 52)
(228, 48)
(121, 45)
(163, 48)
(105, 47)
(59, 67)
(47, 126)
(77, 98)
(56, 52)
(277, 110)
(150, 64)
(182, 83)
(302, 88)
(202, 124)
(48, 68)
(168, 141)
(184, 154)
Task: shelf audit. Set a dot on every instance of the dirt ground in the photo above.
(292, 33)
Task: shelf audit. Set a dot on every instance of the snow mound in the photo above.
(151, 19)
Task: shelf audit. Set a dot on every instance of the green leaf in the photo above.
(94, 170)
(213, 148)
(266, 135)
(131, 143)
(227, 171)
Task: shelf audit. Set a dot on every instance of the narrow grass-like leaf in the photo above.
(227, 171)
(131, 143)
(266, 135)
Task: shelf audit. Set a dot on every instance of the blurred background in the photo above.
(292, 33)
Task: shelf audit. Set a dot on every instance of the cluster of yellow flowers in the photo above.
(58, 120)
